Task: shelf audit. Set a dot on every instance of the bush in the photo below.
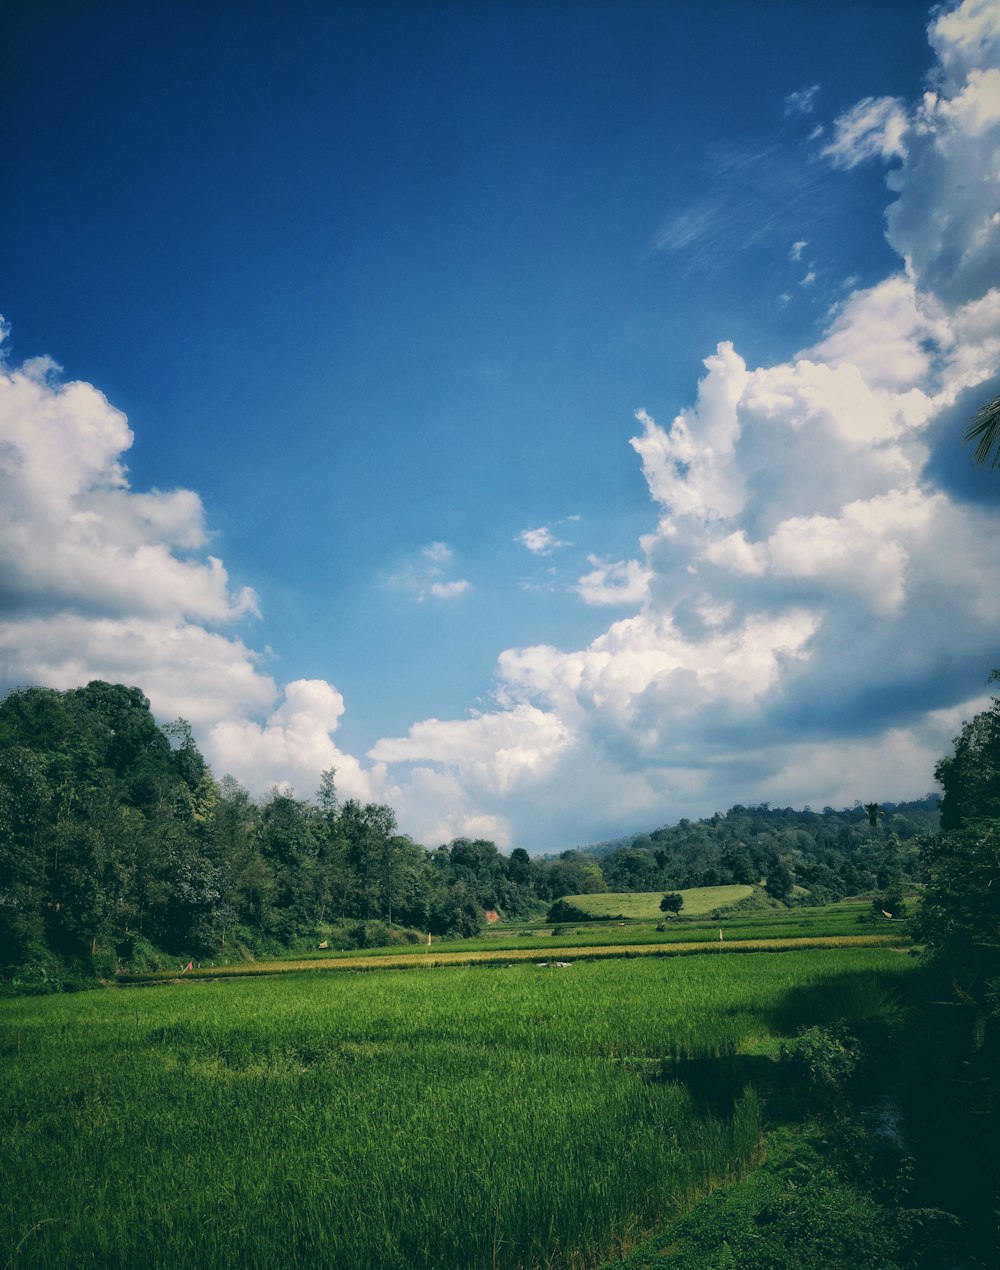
(828, 1056)
(404, 935)
(371, 934)
(563, 911)
(136, 954)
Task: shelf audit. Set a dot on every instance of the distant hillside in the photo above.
(830, 853)
(646, 904)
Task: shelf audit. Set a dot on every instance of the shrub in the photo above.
(828, 1056)
(563, 911)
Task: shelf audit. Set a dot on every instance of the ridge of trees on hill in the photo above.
(832, 854)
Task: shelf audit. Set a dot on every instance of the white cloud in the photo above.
(104, 582)
(438, 553)
(965, 38)
(943, 222)
(888, 333)
(613, 582)
(873, 128)
(425, 577)
(293, 746)
(808, 613)
(184, 669)
(541, 541)
(72, 534)
(446, 590)
(801, 102)
(486, 771)
(796, 249)
(439, 804)
(809, 610)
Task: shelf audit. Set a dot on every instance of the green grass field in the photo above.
(483, 1116)
(799, 927)
(646, 904)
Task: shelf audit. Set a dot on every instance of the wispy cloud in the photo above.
(758, 190)
(425, 576)
(802, 102)
(447, 590)
(872, 129)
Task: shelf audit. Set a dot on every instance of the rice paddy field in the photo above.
(504, 1114)
(846, 921)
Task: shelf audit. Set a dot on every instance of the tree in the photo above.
(874, 813)
(672, 903)
(971, 776)
(779, 880)
(985, 430)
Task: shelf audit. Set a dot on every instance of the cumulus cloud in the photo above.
(497, 751)
(805, 620)
(293, 746)
(100, 581)
(480, 764)
(613, 582)
(541, 541)
(72, 535)
(810, 617)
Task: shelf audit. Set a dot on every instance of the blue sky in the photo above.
(380, 288)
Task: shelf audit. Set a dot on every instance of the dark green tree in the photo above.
(779, 879)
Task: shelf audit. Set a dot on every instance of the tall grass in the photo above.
(471, 1117)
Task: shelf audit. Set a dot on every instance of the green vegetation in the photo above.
(825, 1198)
(467, 1117)
(598, 1073)
(830, 854)
(118, 848)
(646, 904)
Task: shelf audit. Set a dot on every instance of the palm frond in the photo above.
(985, 430)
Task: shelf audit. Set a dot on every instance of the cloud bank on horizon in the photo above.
(799, 607)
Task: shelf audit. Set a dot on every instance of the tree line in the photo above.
(831, 854)
(116, 841)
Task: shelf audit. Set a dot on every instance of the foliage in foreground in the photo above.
(822, 1200)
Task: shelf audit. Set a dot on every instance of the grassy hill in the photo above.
(646, 904)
